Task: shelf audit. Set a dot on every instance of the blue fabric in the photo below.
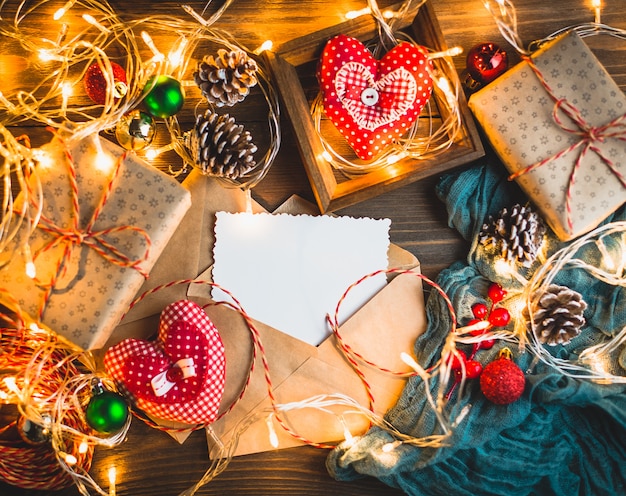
(562, 437)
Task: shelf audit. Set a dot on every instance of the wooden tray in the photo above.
(292, 65)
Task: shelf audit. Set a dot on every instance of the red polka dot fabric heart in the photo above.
(373, 102)
(180, 376)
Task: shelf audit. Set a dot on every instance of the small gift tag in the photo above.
(373, 102)
(180, 376)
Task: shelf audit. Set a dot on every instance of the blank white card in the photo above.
(290, 271)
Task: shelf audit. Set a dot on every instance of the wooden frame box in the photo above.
(334, 190)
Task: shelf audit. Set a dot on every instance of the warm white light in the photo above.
(112, 480)
(353, 14)
(327, 156)
(83, 448)
(104, 162)
(69, 458)
(92, 20)
(395, 158)
(272, 431)
(61, 12)
(11, 385)
(410, 361)
(175, 57)
(31, 270)
(48, 56)
(151, 154)
(450, 52)
(34, 327)
(478, 326)
(266, 45)
(349, 438)
(158, 56)
(391, 446)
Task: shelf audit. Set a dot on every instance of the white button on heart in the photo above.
(369, 97)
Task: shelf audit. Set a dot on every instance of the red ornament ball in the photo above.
(96, 85)
(502, 381)
(485, 62)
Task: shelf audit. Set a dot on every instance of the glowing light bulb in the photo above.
(265, 46)
(104, 162)
(92, 20)
(158, 56)
(597, 7)
(353, 14)
(11, 385)
(395, 158)
(450, 52)
(387, 448)
(68, 457)
(83, 447)
(61, 12)
(66, 92)
(175, 57)
(112, 480)
(48, 56)
(272, 431)
(31, 270)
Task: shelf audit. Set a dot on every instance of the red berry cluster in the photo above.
(497, 317)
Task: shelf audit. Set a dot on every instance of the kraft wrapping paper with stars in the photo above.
(91, 293)
(526, 126)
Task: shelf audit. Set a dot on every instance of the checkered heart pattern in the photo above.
(371, 102)
(193, 391)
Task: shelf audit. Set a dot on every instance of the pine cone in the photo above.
(227, 78)
(516, 235)
(220, 147)
(557, 315)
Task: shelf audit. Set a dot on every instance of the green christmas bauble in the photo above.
(107, 412)
(164, 96)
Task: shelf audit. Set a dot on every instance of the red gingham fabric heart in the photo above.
(180, 376)
(373, 102)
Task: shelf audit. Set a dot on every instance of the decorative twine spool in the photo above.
(40, 368)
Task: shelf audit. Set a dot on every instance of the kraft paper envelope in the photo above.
(380, 331)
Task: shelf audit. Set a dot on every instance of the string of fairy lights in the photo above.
(42, 374)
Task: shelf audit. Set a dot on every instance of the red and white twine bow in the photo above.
(590, 136)
(77, 236)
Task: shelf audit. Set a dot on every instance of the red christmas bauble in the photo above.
(96, 85)
(486, 61)
(502, 381)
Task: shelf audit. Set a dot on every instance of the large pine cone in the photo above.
(221, 147)
(557, 315)
(515, 235)
(226, 79)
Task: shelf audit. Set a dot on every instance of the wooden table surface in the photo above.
(150, 463)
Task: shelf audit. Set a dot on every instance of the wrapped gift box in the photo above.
(91, 262)
(519, 117)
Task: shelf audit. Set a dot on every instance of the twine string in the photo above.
(589, 138)
(76, 236)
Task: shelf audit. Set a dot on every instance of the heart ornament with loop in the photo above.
(373, 102)
(180, 376)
